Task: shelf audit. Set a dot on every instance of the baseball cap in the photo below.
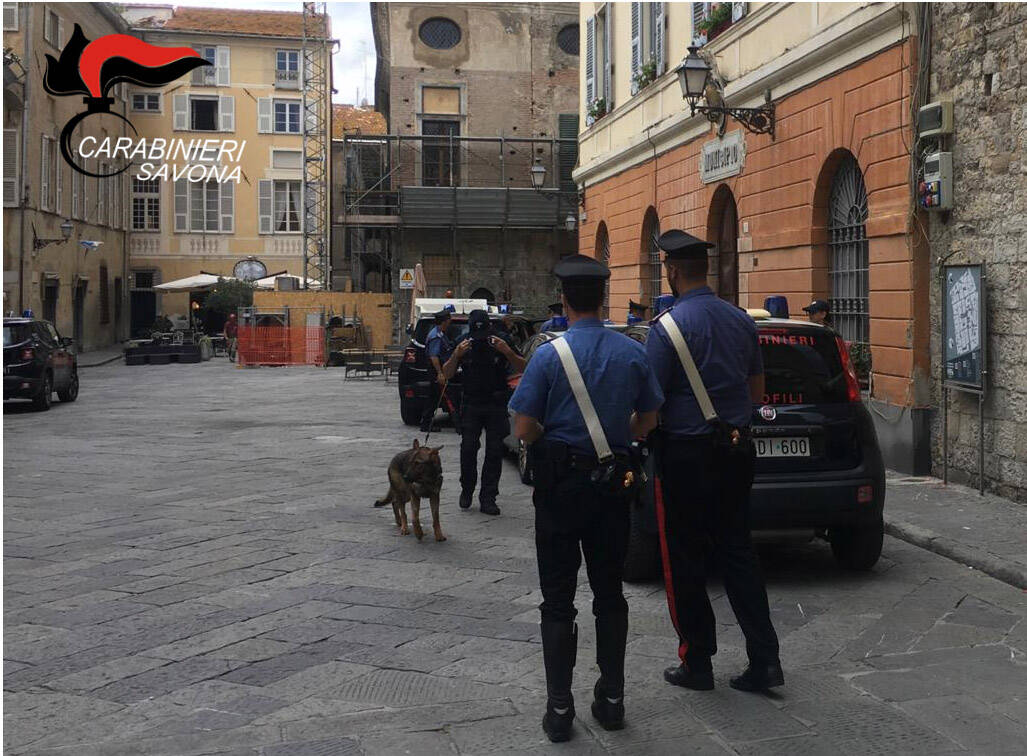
(478, 325)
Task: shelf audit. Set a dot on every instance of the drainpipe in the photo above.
(22, 194)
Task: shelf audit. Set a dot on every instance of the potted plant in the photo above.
(596, 110)
(645, 76)
(861, 362)
(715, 23)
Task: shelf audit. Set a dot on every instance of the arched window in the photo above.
(603, 256)
(652, 276)
(849, 261)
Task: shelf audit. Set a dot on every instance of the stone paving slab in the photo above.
(198, 575)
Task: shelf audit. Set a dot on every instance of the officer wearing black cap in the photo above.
(485, 358)
(636, 312)
(591, 374)
(819, 311)
(552, 324)
(706, 466)
(438, 348)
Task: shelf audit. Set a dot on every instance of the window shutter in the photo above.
(636, 41)
(222, 73)
(44, 174)
(182, 205)
(264, 207)
(737, 11)
(12, 194)
(226, 112)
(590, 60)
(660, 10)
(608, 59)
(60, 31)
(180, 104)
(76, 193)
(10, 17)
(699, 12)
(568, 129)
(58, 185)
(264, 115)
(228, 206)
(47, 24)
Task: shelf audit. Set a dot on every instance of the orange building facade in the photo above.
(821, 210)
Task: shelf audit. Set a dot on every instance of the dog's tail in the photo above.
(387, 499)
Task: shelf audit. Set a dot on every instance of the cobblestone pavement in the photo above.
(192, 565)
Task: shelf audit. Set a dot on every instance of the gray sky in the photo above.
(351, 25)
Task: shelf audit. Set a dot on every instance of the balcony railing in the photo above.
(462, 181)
(285, 79)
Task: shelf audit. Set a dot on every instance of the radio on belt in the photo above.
(934, 190)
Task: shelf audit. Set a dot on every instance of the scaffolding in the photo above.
(316, 61)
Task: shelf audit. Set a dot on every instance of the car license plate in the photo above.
(785, 446)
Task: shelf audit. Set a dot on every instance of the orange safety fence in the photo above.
(281, 345)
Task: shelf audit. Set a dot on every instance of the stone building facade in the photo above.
(979, 60)
(81, 289)
(464, 87)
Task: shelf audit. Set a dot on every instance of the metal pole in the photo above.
(980, 443)
(945, 433)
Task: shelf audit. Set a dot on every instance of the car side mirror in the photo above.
(67, 341)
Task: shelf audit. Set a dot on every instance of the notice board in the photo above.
(963, 309)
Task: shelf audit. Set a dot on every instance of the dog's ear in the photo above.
(437, 449)
(417, 444)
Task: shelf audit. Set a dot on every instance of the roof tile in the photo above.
(349, 120)
(230, 21)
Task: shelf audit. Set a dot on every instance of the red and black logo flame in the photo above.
(92, 68)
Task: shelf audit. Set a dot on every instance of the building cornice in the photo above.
(860, 35)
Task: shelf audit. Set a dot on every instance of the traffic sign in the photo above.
(406, 278)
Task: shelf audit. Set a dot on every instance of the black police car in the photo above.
(818, 469)
(414, 375)
(37, 362)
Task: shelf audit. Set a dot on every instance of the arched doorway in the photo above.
(849, 253)
(722, 230)
(483, 293)
(602, 254)
(652, 267)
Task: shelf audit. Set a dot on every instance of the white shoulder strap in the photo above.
(588, 411)
(691, 371)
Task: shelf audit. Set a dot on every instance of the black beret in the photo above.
(581, 267)
(682, 246)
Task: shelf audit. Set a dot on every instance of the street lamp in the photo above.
(694, 75)
(538, 175)
(66, 228)
(570, 222)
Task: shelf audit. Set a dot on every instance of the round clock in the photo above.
(249, 269)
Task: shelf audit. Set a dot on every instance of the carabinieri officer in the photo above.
(706, 470)
(439, 349)
(580, 501)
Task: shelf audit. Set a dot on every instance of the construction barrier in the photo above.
(281, 345)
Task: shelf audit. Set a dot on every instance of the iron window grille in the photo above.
(650, 233)
(440, 33)
(568, 39)
(850, 254)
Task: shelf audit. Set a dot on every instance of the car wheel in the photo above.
(70, 393)
(642, 561)
(410, 413)
(522, 463)
(41, 401)
(858, 548)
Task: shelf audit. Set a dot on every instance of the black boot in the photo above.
(759, 677)
(689, 678)
(611, 637)
(465, 499)
(559, 652)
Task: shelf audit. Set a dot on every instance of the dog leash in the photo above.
(431, 423)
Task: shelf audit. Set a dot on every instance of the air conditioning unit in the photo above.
(934, 119)
(287, 283)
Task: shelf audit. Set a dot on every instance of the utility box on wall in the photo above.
(934, 190)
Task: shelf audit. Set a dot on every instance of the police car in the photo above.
(819, 469)
(38, 362)
(414, 374)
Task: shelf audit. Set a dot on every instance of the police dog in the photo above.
(415, 473)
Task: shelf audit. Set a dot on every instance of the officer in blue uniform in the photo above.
(706, 471)
(439, 349)
(554, 323)
(636, 312)
(576, 508)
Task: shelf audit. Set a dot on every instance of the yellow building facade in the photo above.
(252, 95)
